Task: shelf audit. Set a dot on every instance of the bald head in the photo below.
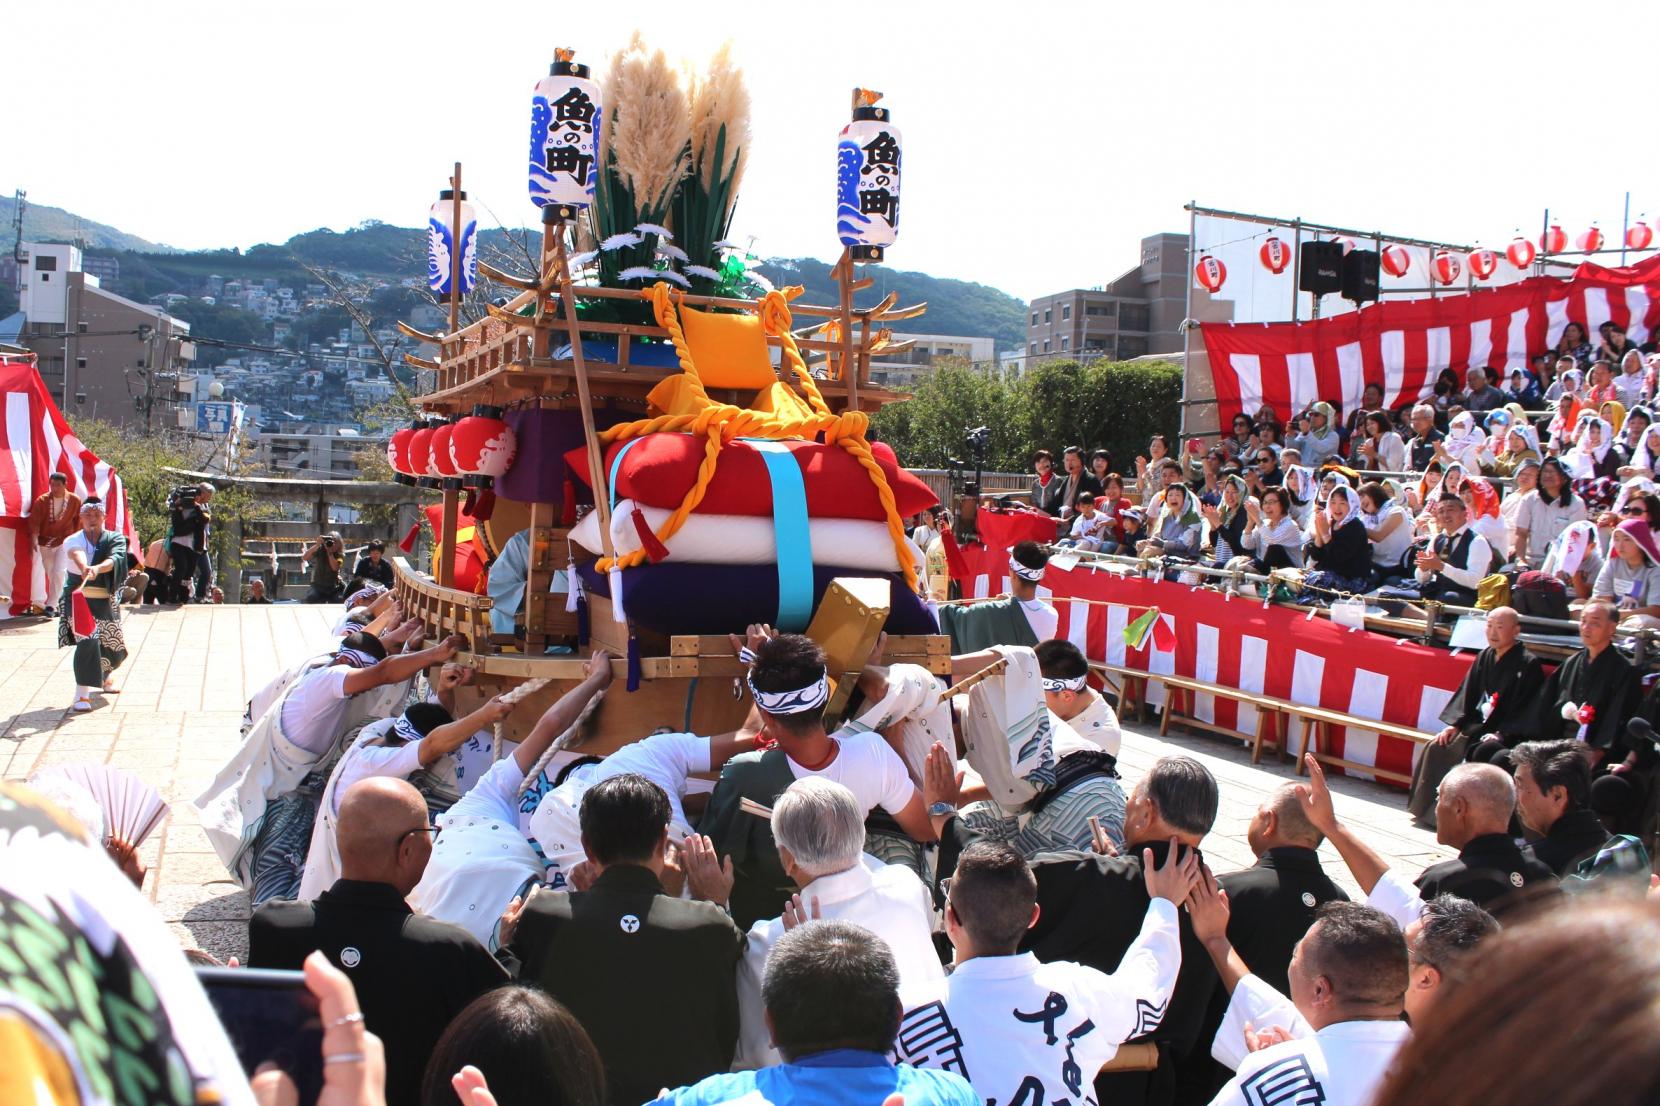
(373, 831)
(1486, 793)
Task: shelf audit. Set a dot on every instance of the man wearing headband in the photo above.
(1022, 619)
(258, 811)
(791, 686)
(97, 565)
(421, 740)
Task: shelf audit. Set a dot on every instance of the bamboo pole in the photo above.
(850, 370)
(455, 249)
(596, 460)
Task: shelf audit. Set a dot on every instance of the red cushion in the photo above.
(662, 468)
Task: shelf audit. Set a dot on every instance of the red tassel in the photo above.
(655, 550)
(484, 506)
(408, 543)
(567, 513)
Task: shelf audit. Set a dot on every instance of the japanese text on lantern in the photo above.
(877, 195)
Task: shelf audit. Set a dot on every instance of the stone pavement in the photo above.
(191, 670)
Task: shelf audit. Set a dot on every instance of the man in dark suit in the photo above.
(413, 974)
(651, 977)
(1553, 794)
(1091, 907)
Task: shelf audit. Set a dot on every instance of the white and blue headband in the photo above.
(1076, 683)
(356, 658)
(1030, 575)
(796, 701)
(405, 729)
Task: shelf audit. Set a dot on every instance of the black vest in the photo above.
(1454, 552)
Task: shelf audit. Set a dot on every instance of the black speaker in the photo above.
(1320, 268)
(1360, 276)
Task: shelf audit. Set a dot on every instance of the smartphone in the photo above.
(270, 1017)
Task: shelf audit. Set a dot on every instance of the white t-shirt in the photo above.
(315, 708)
(1021, 1030)
(1041, 617)
(666, 759)
(475, 756)
(867, 766)
(79, 540)
(363, 761)
(1093, 728)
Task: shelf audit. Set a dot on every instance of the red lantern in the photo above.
(1445, 267)
(482, 447)
(1638, 236)
(441, 463)
(420, 454)
(1483, 262)
(1554, 240)
(1591, 240)
(1275, 257)
(1211, 273)
(1521, 252)
(1345, 241)
(1396, 261)
(397, 455)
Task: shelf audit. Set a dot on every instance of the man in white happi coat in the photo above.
(1024, 1031)
(256, 812)
(820, 830)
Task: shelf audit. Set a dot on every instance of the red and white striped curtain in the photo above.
(1404, 344)
(35, 441)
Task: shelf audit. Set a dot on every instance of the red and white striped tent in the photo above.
(35, 441)
(1404, 344)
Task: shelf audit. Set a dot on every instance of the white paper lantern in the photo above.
(440, 229)
(566, 116)
(867, 180)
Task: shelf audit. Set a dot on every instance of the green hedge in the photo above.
(1112, 405)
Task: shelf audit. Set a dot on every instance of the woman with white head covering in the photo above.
(1593, 457)
(1518, 445)
(1464, 441)
(1299, 485)
(1645, 459)
(1338, 548)
(1388, 528)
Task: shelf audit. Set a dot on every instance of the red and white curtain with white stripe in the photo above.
(35, 442)
(1404, 344)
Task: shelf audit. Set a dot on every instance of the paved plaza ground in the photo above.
(190, 673)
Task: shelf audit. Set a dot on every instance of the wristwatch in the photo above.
(941, 809)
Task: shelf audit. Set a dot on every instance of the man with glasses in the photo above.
(413, 974)
(1420, 448)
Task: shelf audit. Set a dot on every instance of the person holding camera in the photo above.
(188, 517)
(326, 554)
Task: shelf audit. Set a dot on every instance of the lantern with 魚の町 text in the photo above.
(566, 117)
(441, 464)
(1395, 260)
(420, 453)
(440, 258)
(1210, 273)
(1638, 236)
(1483, 262)
(482, 447)
(1445, 267)
(1275, 257)
(1554, 240)
(1590, 240)
(1521, 252)
(867, 179)
(397, 455)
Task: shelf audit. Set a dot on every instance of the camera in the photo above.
(182, 496)
(979, 438)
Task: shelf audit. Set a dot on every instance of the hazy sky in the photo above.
(1042, 139)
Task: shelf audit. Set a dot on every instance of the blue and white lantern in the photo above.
(867, 179)
(566, 115)
(440, 231)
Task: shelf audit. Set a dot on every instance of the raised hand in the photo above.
(1258, 1039)
(797, 914)
(599, 667)
(942, 780)
(1207, 907)
(709, 877)
(1100, 839)
(509, 924)
(1315, 798)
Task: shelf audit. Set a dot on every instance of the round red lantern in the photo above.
(482, 447)
(1275, 257)
(1554, 240)
(442, 464)
(1395, 260)
(1345, 241)
(1638, 236)
(1521, 252)
(1445, 267)
(1591, 240)
(1210, 273)
(420, 453)
(397, 455)
(1483, 262)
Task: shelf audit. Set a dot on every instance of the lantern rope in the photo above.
(720, 423)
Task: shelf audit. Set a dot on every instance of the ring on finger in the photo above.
(345, 1058)
(347, 1019)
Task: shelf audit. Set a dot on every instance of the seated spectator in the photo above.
(1481, 396)
(1227, 520)
(372, 567)
(1452, 567)
(1388, 528)
(1495, 708)
(1077, 480)
(820, 830)
(413, 974)
(1421, 447)
(1301, 490)
(1091, 529)
(1270, 436)
(831, 994)
(1017, 1028)
(1047, 487)
(1241, 441)
(1446, 394)
(1553, 797)
(256, 591)
(521, 1045)
(1592, 457)
(626, 935)
(1420, 498)
(1262, 471)
(1378, 448)
(1463, 443)
(1177, 530)
(1564, 424)
(1522, 386)
(1644, 456)
(1612, 412)
(1317, 439)
(1631, 382)
(1630, 576)
(1112, 503)
(1546, 513)
(1132, 521)
(1615, 347)
(1481, 507)
(1599, 384)
(1100, 465)
(1272, 537)
(1371, 402)
(1149, 468)
(1525, 479)
(1338, 548)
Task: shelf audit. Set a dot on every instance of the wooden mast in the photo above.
(452, 495)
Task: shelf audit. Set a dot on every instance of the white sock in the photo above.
(82, 691)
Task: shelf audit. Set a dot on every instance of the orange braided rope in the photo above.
(720, 423)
